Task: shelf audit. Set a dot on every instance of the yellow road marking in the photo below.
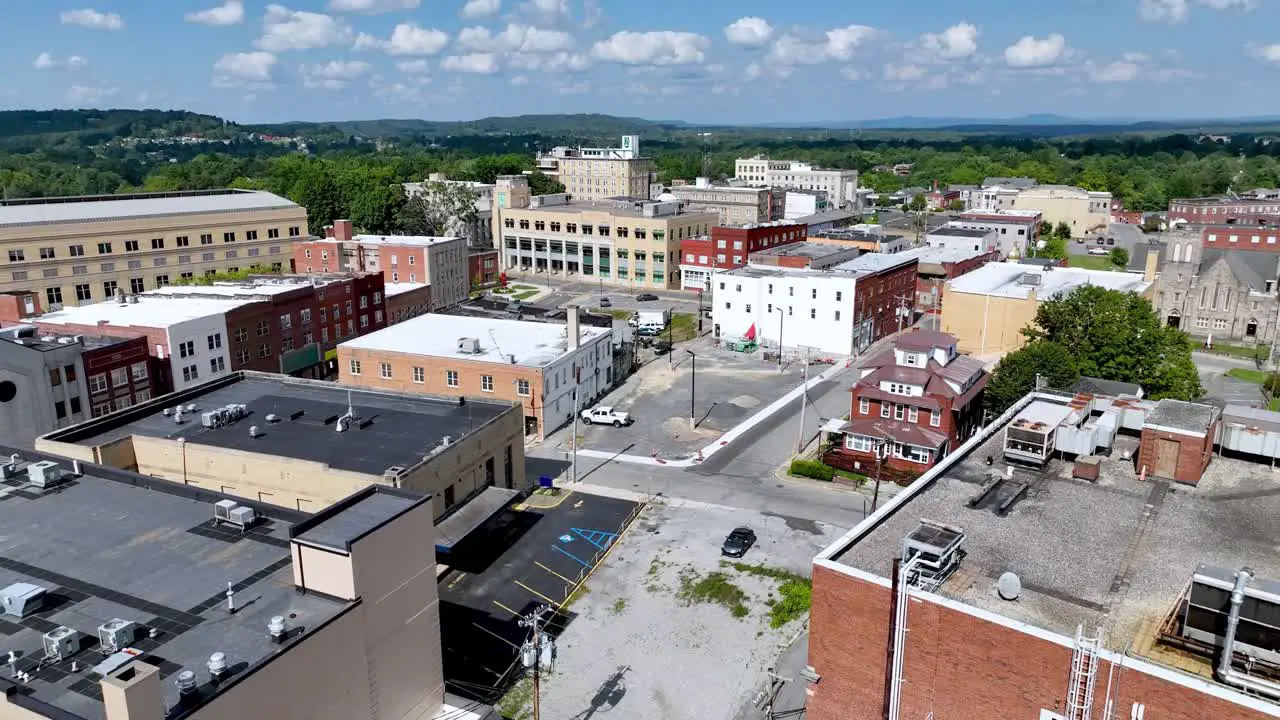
(456, 580)
(553, 572)
(535, 592)
(504, 607)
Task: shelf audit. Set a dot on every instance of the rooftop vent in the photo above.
(1029, 279)
(1009, 586)
(254, 431)
(469, 346)
(21, 599)
(273, 418)
(44, 474)
(117, 634)
(277, 629)
(217, 667)
(509, 359)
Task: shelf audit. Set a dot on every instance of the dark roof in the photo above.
(391, 429)
(960, 232)
(1099, 386)
(961, 369)
(1138, 255)
(1182, 415)
(345, 522)
(896, 430)
(1020, 183)
(1251, 267)
(924, 340)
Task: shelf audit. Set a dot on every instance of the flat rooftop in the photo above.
(111, 544)
(1005, 279)
(938, 255)
(29, 336)
(47, 211)
(391, 429)
(1115, 554)
(393, 289)
(620, 207)
(233, 289)
(811, 250)
(875, 262)
(947, 231)
(153, 309)
(437, 335)
(1020, 216)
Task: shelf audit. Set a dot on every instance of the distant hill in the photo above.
(106, 124)
(584, 125)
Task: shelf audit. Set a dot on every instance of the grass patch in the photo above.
(714, 587)
(614, 313)
(619, 606)
(684, 326)
(1274, 405)
(795, 592)
(852, 477)
(1091, 262)
(1244, 352)
(523, 294)
(1253, 376)
(517, 704)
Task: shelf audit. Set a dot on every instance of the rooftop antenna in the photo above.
(495, 341)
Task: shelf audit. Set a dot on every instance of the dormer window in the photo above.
(912, 359)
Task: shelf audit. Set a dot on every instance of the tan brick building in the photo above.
(598, 173)
(77, 250)
(283, 446)
(538, 365)
(1083, 211)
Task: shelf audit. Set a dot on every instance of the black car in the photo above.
(606, 302)
(646, 297)
(738, 542)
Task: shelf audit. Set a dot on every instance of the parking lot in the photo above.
(670, 629)
(730, 387)
(524, 557)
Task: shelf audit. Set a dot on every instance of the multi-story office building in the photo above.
(1081, 210)
(479, 230)
(622, 243)
(727, 248)
(1257, 207)
(1017, 229)
(841, 185)
(78, 250)
(439, 261)
(735, 205)
(597, 173)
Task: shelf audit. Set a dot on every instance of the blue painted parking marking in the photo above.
(571, 556)
(599, 538)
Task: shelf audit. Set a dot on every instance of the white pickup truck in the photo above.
(606, 416)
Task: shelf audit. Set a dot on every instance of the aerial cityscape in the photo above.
(568, 360)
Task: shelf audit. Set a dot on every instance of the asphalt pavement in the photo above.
(789, 701)
(1217, 384)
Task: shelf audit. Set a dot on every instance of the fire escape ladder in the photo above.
(1084, 673)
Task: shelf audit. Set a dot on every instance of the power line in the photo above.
(768, 696)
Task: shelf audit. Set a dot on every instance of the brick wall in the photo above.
(961, 667)
(1194, 453)
(877, 295)
(1241, 237)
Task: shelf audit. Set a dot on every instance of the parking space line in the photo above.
(478, 625)
(504, 607)
(535, 592)
(571, 556)
(553, 572)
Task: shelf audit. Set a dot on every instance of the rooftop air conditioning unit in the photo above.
(211, 419)
(21, 599)
(469, 346)
(62, 642)
(44, 474)
(233, 513)
(117, 634)
(222, 510)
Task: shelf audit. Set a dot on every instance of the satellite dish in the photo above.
(1009, 587)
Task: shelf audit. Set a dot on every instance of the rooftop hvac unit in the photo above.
(232, 513)
(235, 411)
(1209, 601)
(62, 643)
(21, 599)
(212, 418)
(116, 634)
(939, 549)
(469, 346)
(44, 474)
(222, 510)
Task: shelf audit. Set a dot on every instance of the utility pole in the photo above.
(531, 653)
(804, 398)
(781, 317)
(693, 390)
(769, 695)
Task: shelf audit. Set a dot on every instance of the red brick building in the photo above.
(940, 198)
(1259, 210)
(913, 404)
(727, 248)
(1177, 440)
(937, 265)
(908, 620)
(482, 266)
(1237, 237)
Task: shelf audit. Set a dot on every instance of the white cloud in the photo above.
(753, 71)
(1117, 72)
(373, 6)
(955, 43)
(555, 62)
(47, 61)
(663, 47)
(229, 13)
(843, 42)
(791, 50)
(1030, 52)
(333, 75)
(285, 29)
(1229, 4)
(515, 38)
(519, 80)
(412, 67)
(749, 31)
(477, 63)
(248, 69)
(839, 44)
(547, 10)
(44, 61)
(1171, 11)
(406, 39)
(85, 95)
(1268, 53)
(481, 8)
(92, 19)
(904, 73)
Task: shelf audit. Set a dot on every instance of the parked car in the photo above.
(605, 302)
(738, 542)
(1111, 241)
(1098, 251)
(649, 330)
(606, 416)
(646, 297)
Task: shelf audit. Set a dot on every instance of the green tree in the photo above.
(439, 209)
(1015, 376)
(376, 209)
(542, 184)
(956, 206)
(918, 203)
(1116, 336)
(1119, 257)
(1062, 231)
(1151, 224)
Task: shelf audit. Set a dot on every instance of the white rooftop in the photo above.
(70, 210)
(1010, 214)
(927, 254)
(875, 262)
(393, 289)
(533, 344)
(422, 240)
(228, 289)
(1003, 279)
(152, 310)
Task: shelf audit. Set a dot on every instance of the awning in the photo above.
(471, 515)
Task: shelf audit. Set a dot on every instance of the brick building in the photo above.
(937, 265)
(908, 619)
(804, 256)
(441, 262)
(1257, 208)
(940, 198)
(1177, 440)
(913, 403)
(727, 248)
(482, 266)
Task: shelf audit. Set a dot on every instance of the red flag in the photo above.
(751, 332)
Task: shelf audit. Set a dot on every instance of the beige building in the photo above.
(275, 614)
(1082, 210)
(620, 243)
(79, 250)
(987, 308)
(840, 185)
(538, 365)
(276, 439)
(735, 205)
(598, 173)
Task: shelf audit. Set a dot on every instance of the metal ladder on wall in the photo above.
(1084, 672)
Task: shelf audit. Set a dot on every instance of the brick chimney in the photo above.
(328, 231)
(342, 230)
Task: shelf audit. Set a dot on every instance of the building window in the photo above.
(419, 375)
(131, 246)
(162, 280)
(98, 383)
(935, 418)
(264, 350)
(273, 233)
(55, 377)
(187, 349)
(385, 370)
(157, 243)
(242, 357)
(242, 334)
(190, 372)
(53, 295)
(228, 237)
(899, 412)
(1219, 324)
(522, 388)
(217, 365)
(46, 253)
(286, 321)
(182, 241)
(858, 443)
(837, 316)
(354, 367)
(83, 293)
(76, 250)
(813, 313)
(451, 378)
(884, 409)
(864, 406)
(305, 315)
(913, 415)
(215, 341)
(263, 328)
(104, 248)
(486, 383)
(286, 345)
(138, 371)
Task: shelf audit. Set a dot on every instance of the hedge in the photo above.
(812, 469)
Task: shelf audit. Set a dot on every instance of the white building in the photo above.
(840, 185)
(956, 236)
(802, 203)
(1016, 229)
(479, 231)
(998, 193)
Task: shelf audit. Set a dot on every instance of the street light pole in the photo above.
(781, 317)
(693, 390)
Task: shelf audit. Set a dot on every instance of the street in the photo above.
(1217, 384)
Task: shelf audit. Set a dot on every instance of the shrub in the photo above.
(812, 469)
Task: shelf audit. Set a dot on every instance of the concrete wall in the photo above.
(985, 324)
(461, 469)
(446, 271)
(27, 396)
(784, 306)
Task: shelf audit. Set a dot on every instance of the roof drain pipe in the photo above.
(1225, 672)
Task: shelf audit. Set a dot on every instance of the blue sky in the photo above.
(703, 61)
